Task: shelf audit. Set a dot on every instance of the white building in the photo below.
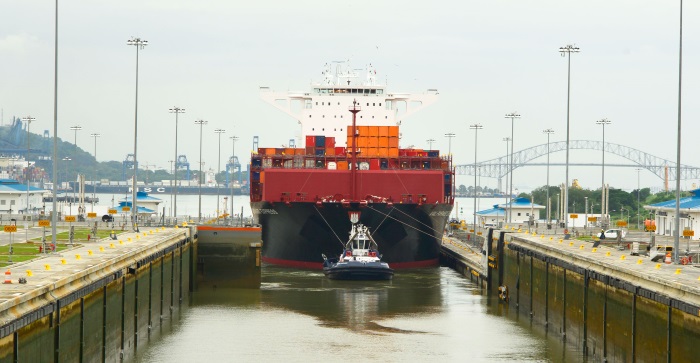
(665, 215)
(522, 209)
(13, 197)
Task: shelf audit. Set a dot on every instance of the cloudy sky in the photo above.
(486, 58)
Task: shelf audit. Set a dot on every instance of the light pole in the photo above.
(566, 51)
(28, 120)
(677, 230)
(638, 193)
(218, 163)
(75, 130)
(430, 143)
(603, 215)
(54, 159)
(172, 166)
(139, 44)
(177, 111)
(476, 128)
(548, 132)
(201, 123)
(233, 167)
(449, 137)
(585, 211)
(92, 204)
(512, 116)
(507, 140)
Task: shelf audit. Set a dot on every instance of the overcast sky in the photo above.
(486, 58)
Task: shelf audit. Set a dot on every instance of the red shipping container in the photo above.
(310, 141)
(330, 141)
(339, 150)
(373, 164)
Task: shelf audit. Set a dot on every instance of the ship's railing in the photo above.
(341, 162)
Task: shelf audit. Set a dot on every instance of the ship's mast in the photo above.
(353, 168)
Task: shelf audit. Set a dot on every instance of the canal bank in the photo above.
(610, 304)
(96, 302)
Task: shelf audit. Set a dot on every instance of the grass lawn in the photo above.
(80, 234)
(22, 252)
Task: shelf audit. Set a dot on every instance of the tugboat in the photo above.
(360, 259)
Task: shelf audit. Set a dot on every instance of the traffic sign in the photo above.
(126, 209)
(92, 215)
(621, 223)
(11, 228)
(574, 216)
(70, 218)
(44, 223)
(688, 233)
(112, 211)
(592, 219)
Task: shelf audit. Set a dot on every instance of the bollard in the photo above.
(594, 250)
(47, 267)
(8, 277)
(639, 261)
(77, 256)
(63, 261)
(102, 249)
(29, 273)
(111, 245)
(90, 252)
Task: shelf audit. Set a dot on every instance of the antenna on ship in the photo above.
(354, 109)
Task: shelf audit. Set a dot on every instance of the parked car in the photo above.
(108, 218)
(612, 233)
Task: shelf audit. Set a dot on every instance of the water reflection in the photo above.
(427, 314)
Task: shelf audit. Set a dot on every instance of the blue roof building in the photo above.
(520, 212)
(13, 197)
(665, 214)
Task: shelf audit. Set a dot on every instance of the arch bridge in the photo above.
(663, 168)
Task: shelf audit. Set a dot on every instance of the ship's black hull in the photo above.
(358, 271)
(297, 234)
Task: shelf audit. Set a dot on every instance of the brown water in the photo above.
(426, 315)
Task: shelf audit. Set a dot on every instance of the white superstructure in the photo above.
(324, 110)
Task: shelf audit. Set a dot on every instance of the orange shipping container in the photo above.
(383, 131)
(374, 131)
(373, 142)
(299, 151)
(330, 151)
(394, 142)
(393, 151)
(383, 141)
(372, 151)
(342, 165)
(361, 142)
(262, 177)
(289, 151)
(393, 131)
(270, 151)
(383, 151)
(363, 130)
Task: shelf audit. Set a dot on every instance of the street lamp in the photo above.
(218, 131)
(566, 51)
(139, 44)
(28, 120)
(603, 203)
(176, 110)
(507, 140)
(548, 132)
(233, 167)
(200, 123)
(585, 211)
(512, 116)
(638, 193)
(75, 130)
(94, 184)
(449, 136)
(476, 128)
(430, 143)
(677, 230)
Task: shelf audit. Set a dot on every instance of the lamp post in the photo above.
(201, 123)
(476, 128)
(430, 143)
(566, 51)
(75, 130)
(92, 204)
(449, 137)
(585, 211)
(139, 44)
(177, 111)
(219, 132)
(677, 231)
(603, 213)
(172, 166)
(638, 193)
(233, 166)
(507, 140)
(548, 132)
(28, 120)
(512, 116)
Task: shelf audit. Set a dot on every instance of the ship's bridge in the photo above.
(324, 110)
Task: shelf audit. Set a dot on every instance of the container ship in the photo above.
(350, 170)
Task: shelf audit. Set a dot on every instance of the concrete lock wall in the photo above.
(103, 319)
(608, 318)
